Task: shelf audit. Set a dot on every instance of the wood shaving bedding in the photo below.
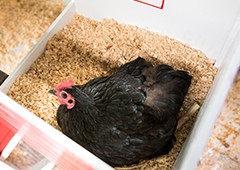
(86, 49)
(22, 23)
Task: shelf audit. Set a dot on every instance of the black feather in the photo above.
(127, 116)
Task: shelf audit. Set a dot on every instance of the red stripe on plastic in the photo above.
(6, 133)
(41, 142)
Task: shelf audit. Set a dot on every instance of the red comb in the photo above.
(65, 84)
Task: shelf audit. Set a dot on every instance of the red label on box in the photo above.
(153, 3)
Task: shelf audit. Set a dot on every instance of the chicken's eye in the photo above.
(64, 95)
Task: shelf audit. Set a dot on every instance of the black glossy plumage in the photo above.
(127, 116)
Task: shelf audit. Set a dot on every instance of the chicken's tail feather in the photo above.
(175, 79)
(166, 89)
(135, 67)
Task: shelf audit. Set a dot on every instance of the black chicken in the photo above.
(127, 116)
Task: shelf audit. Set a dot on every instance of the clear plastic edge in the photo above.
(65, 17)
(190, 154)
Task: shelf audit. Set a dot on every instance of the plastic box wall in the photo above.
(211, 26)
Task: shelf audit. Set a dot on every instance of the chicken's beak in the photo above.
(52, 92)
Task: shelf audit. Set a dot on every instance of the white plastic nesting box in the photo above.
(210, 26)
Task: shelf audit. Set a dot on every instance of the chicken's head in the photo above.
(63, 96)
